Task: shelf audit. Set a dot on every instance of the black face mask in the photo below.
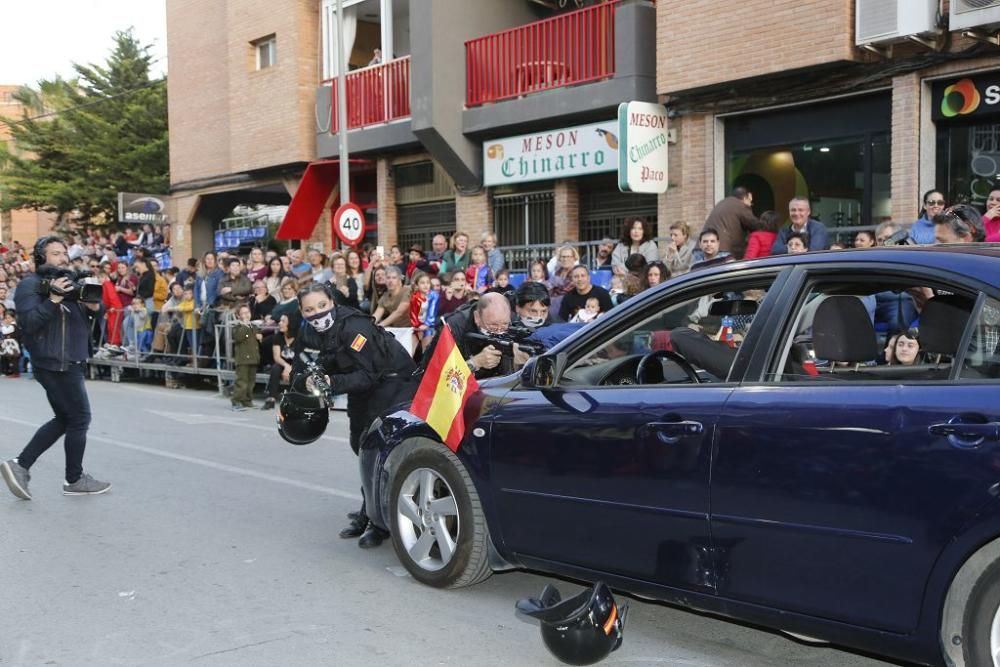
(321, 321)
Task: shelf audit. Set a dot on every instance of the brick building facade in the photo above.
(776, 95)
(22, 225)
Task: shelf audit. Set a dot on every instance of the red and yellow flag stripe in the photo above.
(445, 389)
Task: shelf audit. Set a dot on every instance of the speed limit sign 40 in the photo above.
(349, 223)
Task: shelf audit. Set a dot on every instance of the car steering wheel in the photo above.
(646, 362)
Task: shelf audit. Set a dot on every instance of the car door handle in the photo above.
(965, 435)
(670, 433)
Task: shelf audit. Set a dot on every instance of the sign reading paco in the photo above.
(572, 151)
(138, 209)
(642, 153)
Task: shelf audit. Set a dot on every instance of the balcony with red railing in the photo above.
(375, 95)
(573, 48)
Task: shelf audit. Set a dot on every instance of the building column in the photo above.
(474, 216)
(906, 147)
(566, 199)
(691, 176)
(385, 191)
(183, 211)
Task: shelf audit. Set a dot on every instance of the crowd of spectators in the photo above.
(169, 314)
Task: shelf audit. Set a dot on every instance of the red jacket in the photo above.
(759, 244)
(416, 303)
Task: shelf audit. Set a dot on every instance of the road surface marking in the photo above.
(208, 464)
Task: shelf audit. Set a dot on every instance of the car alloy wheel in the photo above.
(427, 519)
(439, 531)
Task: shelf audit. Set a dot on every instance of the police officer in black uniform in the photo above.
(363, 361)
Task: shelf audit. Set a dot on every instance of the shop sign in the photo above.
(642, 155)
(969, 97)
(571, 151)
(139, 209)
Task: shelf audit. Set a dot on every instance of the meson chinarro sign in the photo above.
(571, 151)
(642, 153)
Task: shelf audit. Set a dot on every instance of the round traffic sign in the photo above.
(349, 223)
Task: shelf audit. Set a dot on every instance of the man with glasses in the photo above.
(959, 224)
(922, 231)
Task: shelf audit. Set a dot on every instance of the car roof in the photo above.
(980, 261)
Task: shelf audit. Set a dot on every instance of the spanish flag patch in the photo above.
(358, 343)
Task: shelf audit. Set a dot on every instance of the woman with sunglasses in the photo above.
(903, 349)
(922, 231)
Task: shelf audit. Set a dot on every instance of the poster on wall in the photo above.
(571, 151)
(140, 208)
(642, 153)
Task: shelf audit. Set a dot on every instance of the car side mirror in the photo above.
(542, 371)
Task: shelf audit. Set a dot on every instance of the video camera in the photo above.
(504, 342)
(83, 287)
(902, 237)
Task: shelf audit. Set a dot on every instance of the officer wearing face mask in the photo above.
(363, 361)
(531, 303)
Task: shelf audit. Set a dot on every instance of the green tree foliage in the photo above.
(81, 142)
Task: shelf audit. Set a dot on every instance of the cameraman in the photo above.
(56, 330)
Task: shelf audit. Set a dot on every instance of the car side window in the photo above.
(705, 329)
(875, 329)
(982, 357)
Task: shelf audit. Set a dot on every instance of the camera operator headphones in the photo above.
(38, 252)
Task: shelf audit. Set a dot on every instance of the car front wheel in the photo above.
(437, 523)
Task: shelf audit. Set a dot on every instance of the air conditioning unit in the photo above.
(966, 14)
(881, 21)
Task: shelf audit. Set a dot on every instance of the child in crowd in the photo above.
(591, 309)
(10, 344)
(479, 275)
(189, 319)
(617, 290)
(797, 243)
(539, 273)
(423, 310)
(760, 241)
(865, 239)
(502, 284)
(246, 356)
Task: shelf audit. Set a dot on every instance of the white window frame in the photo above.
(269, 43)
(328, 29)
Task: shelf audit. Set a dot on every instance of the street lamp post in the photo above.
(345, 180)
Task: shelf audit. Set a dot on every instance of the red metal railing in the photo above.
(568, 49)
(376, 94)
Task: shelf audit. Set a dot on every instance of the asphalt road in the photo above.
(218, 546)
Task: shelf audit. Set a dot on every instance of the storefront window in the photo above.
(968, 162)
(836, 154)
(832, 173)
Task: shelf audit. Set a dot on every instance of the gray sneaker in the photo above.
(85, 486)
(17, 478)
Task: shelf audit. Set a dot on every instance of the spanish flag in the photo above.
(447, 385)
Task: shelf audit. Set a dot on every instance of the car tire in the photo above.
(981, 620)
(438, 528)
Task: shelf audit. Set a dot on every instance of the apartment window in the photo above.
(267, 52)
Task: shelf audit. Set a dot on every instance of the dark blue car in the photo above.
(750, 440)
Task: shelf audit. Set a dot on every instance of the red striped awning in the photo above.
(318, 181)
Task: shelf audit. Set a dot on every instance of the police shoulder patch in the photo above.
(358, 343)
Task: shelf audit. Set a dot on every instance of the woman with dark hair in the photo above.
(653, 274)
(922, 231)
(637, 237)
(275, 275)
(864, 239)
(903, 349)
(538, 272)
(283, 351)
(760, 240)
(991, 219)
(346, 290)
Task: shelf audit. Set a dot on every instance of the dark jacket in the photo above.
(56, 334)
(241, 289)
(357, 354)
(462, 323)
(732, 220)
(246, 349)
(815, 230)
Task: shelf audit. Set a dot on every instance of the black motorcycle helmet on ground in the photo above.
(581, 630)
(302, 417)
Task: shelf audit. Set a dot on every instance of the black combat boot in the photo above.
(373, 537)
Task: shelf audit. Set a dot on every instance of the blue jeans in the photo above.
(67, 395)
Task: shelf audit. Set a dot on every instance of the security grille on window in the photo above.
(267, 52)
